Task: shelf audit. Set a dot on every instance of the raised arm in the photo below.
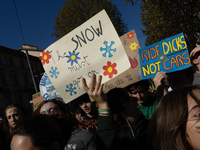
(161, 91)
(106, 133)
(95, 92)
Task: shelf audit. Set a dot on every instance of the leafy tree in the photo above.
(76, 12)
(163, 19)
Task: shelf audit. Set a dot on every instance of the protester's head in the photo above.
(139, 90)
(87, 106)
(13, 114)
(180, 78)
(79, 114)
(175, 122)
(49, 106)
(41, 132)
(120, 102)
(195, 59)
(58, 107)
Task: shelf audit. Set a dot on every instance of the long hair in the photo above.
(167, 127)
(24, 112)
(63, 107)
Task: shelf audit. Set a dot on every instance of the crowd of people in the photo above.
(137, 117)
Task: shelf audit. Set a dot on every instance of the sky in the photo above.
(37, 21)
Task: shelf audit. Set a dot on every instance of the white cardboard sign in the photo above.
(93, 47)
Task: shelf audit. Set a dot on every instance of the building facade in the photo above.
(16, 83)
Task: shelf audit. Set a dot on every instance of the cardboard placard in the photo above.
(93, 47)
(168, 55)
(132, 75)
(37, 99)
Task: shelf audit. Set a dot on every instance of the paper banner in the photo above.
(47, 89)
(168, 55)
(93, 47)
(37, 99)
(132, 75)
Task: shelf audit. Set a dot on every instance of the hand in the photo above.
(95, 91)
(158, 78)
(196, 49)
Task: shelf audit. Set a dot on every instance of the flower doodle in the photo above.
(130, 35)
(73, 57)
(161, 57)
(110, 69)
(45, 57)
(133, 46)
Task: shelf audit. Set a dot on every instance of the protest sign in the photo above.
(168, 55)
(132, 75)
(47, 89)
(93, 47)
(37, 99)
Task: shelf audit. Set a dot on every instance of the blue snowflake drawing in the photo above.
(73, 57)
(54, 72)
(70, 89)
(108, 49)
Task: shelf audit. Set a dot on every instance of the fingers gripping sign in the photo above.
(159, 76)
(95, 91)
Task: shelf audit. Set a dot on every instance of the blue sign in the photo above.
(47, 89)
(168, 55)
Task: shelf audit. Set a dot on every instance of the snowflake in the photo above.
(54, 72)
(70, 89)
(108, 49)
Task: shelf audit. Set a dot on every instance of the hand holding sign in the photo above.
(94, 90)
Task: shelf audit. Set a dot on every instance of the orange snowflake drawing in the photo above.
(130, 35)
(45, 57)
(110, 69)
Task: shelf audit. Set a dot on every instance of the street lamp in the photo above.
(29, 64)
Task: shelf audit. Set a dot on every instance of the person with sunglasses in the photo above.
(195, 60)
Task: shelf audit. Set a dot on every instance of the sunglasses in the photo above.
(196, 55)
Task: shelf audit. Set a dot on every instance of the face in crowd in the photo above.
(176, 120)
(88, 107)
(14, 116)
(193, 121)
(140, 94)
(49, 108)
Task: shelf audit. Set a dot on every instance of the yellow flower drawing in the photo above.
(133, 46)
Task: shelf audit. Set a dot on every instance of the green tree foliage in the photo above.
(76, 12)
(165, 18)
